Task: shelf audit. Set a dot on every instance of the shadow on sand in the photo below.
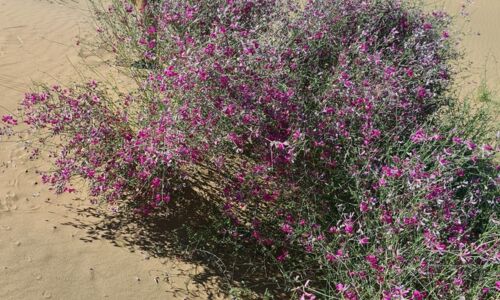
(184, 231)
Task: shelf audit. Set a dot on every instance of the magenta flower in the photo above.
(330, 257)
(340, 287)
(457, 140)
(417, 295)
(487, 148)
(421, 92)
(155, 183)
(409, 72)
(372, 260)
(427, 26)
(287, 229)
(470, 145)
(283, 255)
(349, 227)
(363, 240)
(210, 49)
(387, 217)
(363, 206)
(9, 120)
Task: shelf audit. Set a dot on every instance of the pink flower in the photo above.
(372, 260)
(340, 287)
(364, 240)
(375, 133)
(318, 35)
(387, 217)
(487, 148)
(307, 296)
(421, 92)
(410, 221)
(457, 140)
(333, 230)
(363, 47)
(210, 49)
(392, 171)
(363, 206)
(440, 247)
(286, 228)
(417, 295)
(458, 281)
(419, 136)
(330, 257)
(409, 72)
(470, 145)
(351, 295)
(382, 182)
(151, 30)
(9, 120)
(159, 198)
(169, 72)
(283, 255)
(349, 227)
(156, 182)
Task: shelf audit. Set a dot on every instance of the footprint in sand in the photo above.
(11, 197)
(46, 295)
(38, 276)
(13, 182)
(8, 202)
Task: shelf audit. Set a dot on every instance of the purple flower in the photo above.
(340, 287)
(210, 49)
(457, 140)
(286, 228)
(330, 257)
(363, 206)
(421, 92)
(417, 295)
(9, 120)
(283, 255)
(363, 240)
(419, 136)
(155, 183)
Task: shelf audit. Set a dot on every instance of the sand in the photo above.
(51, 246)
(479, 24)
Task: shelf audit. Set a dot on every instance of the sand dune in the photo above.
(46, 249)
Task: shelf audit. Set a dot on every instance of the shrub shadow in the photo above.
(183, 230)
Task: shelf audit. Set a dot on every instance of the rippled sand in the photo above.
(51, 247)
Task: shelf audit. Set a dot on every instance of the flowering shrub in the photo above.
(349, 166)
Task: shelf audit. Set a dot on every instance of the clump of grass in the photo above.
(484, 93)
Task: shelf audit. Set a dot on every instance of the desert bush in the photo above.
(346, 161)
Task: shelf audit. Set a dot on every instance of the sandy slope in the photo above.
(481, 42)
(42, 256)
